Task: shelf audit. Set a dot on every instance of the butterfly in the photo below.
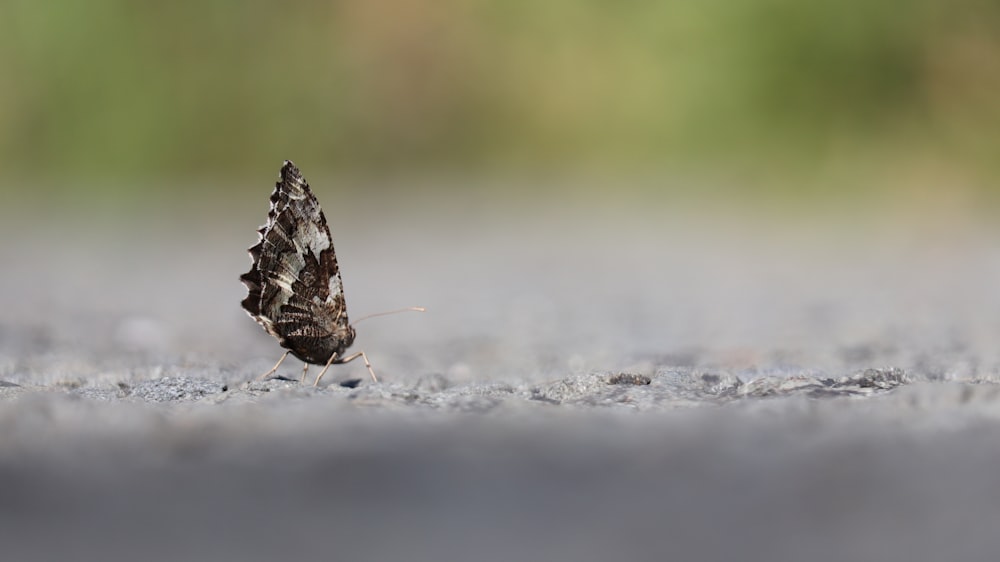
(295, 289)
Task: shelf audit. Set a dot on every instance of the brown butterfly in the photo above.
(296, 292)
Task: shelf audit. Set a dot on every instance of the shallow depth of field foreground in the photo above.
(609, 383)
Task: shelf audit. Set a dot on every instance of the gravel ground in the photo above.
(587, 384)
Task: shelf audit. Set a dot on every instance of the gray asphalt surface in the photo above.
(587, 384)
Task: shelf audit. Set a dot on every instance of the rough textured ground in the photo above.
(588, 384)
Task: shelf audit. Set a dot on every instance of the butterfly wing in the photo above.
(295, 289)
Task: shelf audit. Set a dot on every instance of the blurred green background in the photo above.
(779, 97)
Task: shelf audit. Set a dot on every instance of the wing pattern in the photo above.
(295, 289)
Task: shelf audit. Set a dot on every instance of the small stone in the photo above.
(629, 378)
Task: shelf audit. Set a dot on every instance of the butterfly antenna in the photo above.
(407, 309)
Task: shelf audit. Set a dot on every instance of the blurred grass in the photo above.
(784, 95)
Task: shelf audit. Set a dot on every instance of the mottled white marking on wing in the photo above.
(335, 286)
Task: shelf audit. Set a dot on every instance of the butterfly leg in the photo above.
(362, 355)
(305, 367)
(275, 368)
(334, 359)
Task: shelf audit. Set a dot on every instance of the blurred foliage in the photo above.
(745, 89)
